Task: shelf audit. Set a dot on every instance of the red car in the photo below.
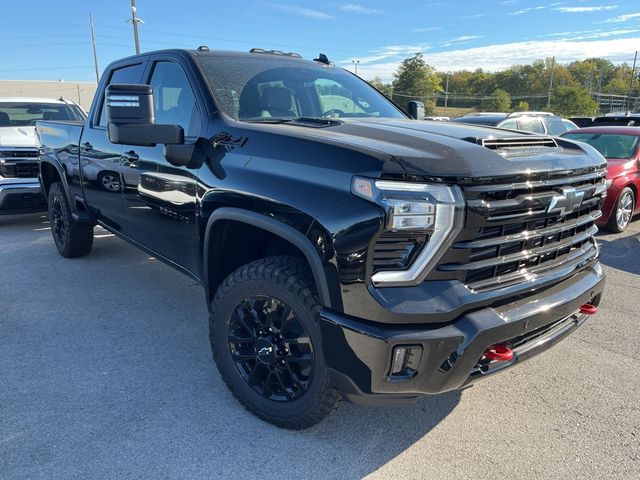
(620, 146)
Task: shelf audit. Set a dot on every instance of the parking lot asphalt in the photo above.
(106, 372)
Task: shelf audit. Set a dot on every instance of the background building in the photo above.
(80, 92)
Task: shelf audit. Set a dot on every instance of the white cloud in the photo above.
(622, 18)
(426, 29)
(461, 39)
(499, 57)
(585, 9)
(591, 34)
(526, 10)
(353, 8)
(476, 15)
(307, 12)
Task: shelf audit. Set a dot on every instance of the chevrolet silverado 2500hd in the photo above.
(19, 187)
(344, 248)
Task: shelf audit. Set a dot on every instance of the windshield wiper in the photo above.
(314, 121)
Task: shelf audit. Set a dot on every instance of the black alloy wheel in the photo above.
(58, 228)
(265, 338)
(270, 348)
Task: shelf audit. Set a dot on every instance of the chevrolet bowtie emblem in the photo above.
(566, 202)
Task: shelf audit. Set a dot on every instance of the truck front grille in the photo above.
(19, 170)
(520, 232)
(19, 163)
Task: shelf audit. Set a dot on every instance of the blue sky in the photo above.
(50, 40)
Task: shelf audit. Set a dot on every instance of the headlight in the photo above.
(608, 182)
(432, 209)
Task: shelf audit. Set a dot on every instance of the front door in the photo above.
(159, 198)
(101, 160)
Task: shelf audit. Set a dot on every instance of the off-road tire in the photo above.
(289, 281)
(72, 239)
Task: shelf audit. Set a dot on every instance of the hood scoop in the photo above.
(524, 142)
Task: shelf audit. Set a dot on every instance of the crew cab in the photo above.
(19, 187)
(344, 248)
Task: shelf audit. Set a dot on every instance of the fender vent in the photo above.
(395, 251)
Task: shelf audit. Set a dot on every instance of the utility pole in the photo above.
(356, 62)
(446, 94)
(134, 21)
(93, 43)
(591, 78)
(78, 89)
(627, 103)
(553, 61)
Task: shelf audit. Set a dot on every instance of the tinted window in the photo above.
(608, 144)
(129, 74)
(264, 86)
(18, 114)
(174, 102)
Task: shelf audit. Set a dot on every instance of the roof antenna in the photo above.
(322, 58)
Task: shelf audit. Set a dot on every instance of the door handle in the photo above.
(85, 147)
(131, 158)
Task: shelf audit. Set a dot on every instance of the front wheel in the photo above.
(72, 239)
(622, 212)
(266, 343)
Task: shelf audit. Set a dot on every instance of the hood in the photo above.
(451, 151)
(18, 137)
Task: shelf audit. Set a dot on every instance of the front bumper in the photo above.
(19, 196)
(359, 352)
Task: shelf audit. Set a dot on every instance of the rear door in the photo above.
(101, 171)
(159, 198)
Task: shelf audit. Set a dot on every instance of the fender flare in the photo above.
(275, 227)
(63, 178)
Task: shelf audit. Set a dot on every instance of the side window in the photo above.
(173, 98)
(128, 74)
(509, 124)
(531, 125)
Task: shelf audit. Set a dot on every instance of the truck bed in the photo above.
(58, 136)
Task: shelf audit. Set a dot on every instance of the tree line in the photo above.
(567, 90)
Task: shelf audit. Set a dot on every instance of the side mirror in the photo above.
(131, 119)
(415, 109)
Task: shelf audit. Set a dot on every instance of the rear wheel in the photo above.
(622, 212)
(266, 343)
(72, 239)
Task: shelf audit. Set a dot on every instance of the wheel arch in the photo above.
(271, 226)
(51, 172)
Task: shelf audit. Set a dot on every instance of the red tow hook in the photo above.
(500, 353)
(588, 309)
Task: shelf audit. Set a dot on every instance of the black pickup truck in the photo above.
(345, 249)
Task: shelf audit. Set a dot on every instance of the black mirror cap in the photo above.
(181, 155)
(129, 103)
(415, 109)
(146, 135)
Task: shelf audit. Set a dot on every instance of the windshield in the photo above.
(610, 145)
(267, 89)
(18, 114)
